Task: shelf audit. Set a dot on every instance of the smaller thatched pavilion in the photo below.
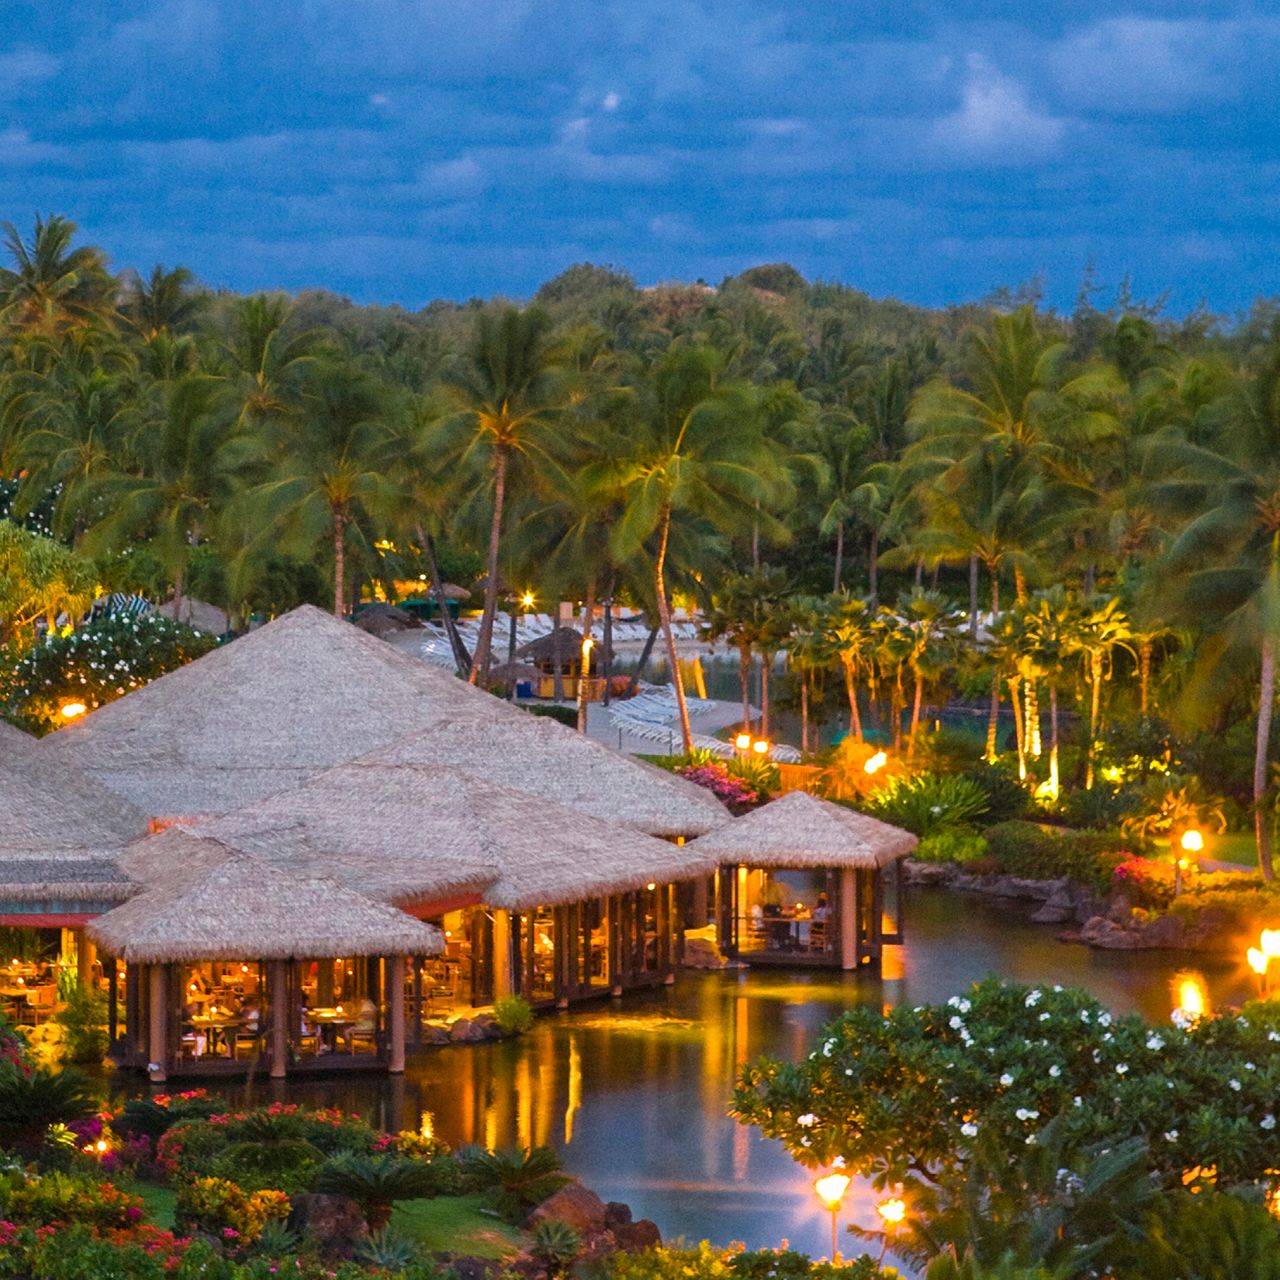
(219, 948)
(846, 856)
(563, 646)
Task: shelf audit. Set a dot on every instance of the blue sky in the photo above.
(400, 150)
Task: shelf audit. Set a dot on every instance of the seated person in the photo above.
(366, 1022)
(820, 909)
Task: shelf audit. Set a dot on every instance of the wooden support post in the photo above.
(666, 917)
(699, 912)
(157, 1039)
(84, 960)
(113, 1004)
(848, 918)
(395, 1013)
(615, 944)
(502, 976)
(278, 996)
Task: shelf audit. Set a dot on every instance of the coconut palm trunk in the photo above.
(804, 713)
(973, 598)
(1053, 738)
(1266, 701)
(339, 564)
(664, 617)
(461, 658)
(1095, 709)
(851, 692)
(1019, 735)
(915, 715)
(484, 643)
(1144, 677)
(766, 660)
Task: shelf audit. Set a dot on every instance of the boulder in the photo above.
(1059, 906)
(616, 1214)
(574, 1205)
(434, 1033)
(466, 1031)
(634, 1236)
(333, 1225)
(1110, 936)
(488, 1025)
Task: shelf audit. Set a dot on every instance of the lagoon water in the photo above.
(634, 1092)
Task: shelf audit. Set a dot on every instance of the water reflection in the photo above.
(634, 1093)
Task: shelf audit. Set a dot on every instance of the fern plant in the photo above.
(516, 1180)
(556, 1246)
(375, 1183)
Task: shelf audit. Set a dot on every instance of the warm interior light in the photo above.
(1257, 961)
(831, 1189)
(876, 762)
(743, 742)
(1192, 841)
(72, 710)
(760, 746)
(892, 1211)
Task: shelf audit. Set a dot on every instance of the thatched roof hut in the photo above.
(536, 755)
(541, 652)
(219, 903)
(199, 614)
(58, 828)
(267, 711)
(801, 831)
(381, 619)
(412, 834)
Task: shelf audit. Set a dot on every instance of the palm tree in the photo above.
(163, 301)
(330, 469)
(1222, 570)
(694, 456)
(177, 477)
(933, 628)
(52, 286)
(808, 652)
(265, 354)
(507, 402)
(740, 613)
(1052, 622)
(842, 445)
(1102, 628)
(847, 624)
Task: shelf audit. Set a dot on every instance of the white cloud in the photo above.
(610, 102)
(995, 122)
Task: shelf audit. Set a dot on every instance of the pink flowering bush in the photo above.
(717, 779)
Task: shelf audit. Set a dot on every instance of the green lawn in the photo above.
(1233, 846)
(159, 1202)
(456, 1224)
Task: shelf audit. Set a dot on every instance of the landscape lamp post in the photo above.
(746, 744)
(1192, 842)
(831, 1191)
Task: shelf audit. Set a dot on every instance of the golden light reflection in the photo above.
(574, 1104)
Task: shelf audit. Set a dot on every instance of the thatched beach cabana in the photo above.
(265, 712)
(563, 646)
(536, 755)
(209, 910)
(848, 854)
(552, 903)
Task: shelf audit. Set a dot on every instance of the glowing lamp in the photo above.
(743, 742)
(651, 885)
(831, 1189)
(876, 762)
(1192, 841)
(101, 1146)
(1257, 961)
(72, 710)
(1269, 943)
(891, 1211)
(760, 746)
(527, 599)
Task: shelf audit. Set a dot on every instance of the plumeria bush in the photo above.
(903, 1097)
(95, 664)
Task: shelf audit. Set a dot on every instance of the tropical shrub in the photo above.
(227, 1212)
(1007, 797)
(914, 1089)
(513, 1014)
(1048, 853)
(556, 1246)
(761, 776)
(84, 1022)
(375, 1183)
(32, 1099)
(722, 784)
(385, 1250)
(98, 663)
(286, 1164)
(515, 1180)
(951, 846)
(705, 1261)
(44, 1200)
(928, 803)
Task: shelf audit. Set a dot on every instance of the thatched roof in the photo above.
(543, 648)
(412, 834)
(380, 619)
(67, 879)
(536, 755)
(218, 903)
(265, 712)
(199, 614)
(48, 807)
(800, 830)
